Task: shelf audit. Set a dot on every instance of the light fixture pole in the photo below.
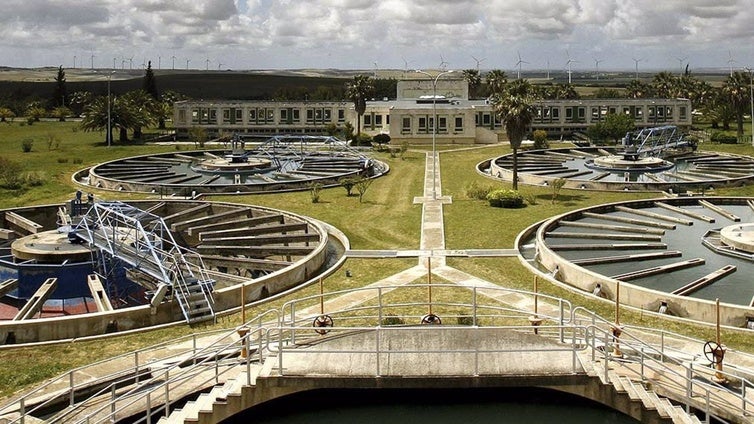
(751, 100)
(434, 80)
(109, 120)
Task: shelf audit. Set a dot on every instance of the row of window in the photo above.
(262, 116)
(427, 122)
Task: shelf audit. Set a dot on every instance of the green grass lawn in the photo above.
(387, 218)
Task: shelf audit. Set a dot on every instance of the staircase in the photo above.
(221, 402)
(639, 395)
(143, 241)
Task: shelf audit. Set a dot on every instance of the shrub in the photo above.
(62, 160)
(391, 319)
(53, 141)
(404, 148)
(540, 140)
(362, 185)
(35, 178)
(557, 184)
(27, 144)
(10, 174)
(362, 140)
(381, 139)
(348, 183)
(474, 190)
(503, 198)
(722, 138)
(314, 191)
(78, 161)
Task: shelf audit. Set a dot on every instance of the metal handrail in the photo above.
(162, 380)
(689, 378)
(69, 375)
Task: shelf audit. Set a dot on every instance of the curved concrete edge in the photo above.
(581, 281)
(499, 173)
(188, 190)
(140, 317)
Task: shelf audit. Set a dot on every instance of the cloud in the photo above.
(349, 33)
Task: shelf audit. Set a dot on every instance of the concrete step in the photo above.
(616, 382)
(684, 417)
(628, 385)
(664, 407)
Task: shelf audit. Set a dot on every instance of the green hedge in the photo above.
(505, 199)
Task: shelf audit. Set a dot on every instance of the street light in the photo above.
(751, 99)
(108, 136)
(434, 79)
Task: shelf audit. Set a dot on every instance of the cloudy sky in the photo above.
(362, 34)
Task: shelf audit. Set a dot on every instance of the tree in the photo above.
(6, 114)
(613, 127)
(665, 85)
(358, 90)
(638, 90)
(79, 100)
(515, 109)
(736, 88)
(496, 81)
(149, 85)
(474, 79)
(59, 93)
(142, 110)
(61, 112)
(122, 116)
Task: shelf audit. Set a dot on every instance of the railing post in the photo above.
(22, 410)
(593, 342)
(71, 400)
(641, 353)
(476, 349)
(167, 392)
(562, 320)
(607, 353)
(573, 349)
(136, 365)
(474, 306)
(689, 381)
(149, 408)
(379, 306)
(662, 345)
(293, 324)
(377, 348)
(743, 396)
(280, 350)
(193, 337)
(706, 407)
(112, 403)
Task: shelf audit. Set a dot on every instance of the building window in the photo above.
(285, 117)
(406, 125)
(423, 128)
(378, 120)
(442, 126)
(182, 115)
(226, 116)
(459, 124)
(681, 113)
(341, 116)
(367, 120)
(296, 115)
(239, 116)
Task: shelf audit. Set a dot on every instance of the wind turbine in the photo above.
(187, 63)
(159, 62)
(636, 64)
(518, 64)
(479, 61)
(207, 64)
(92, 57)
(131, 63)
(443, 63)
(730, 62)
(375, 70)
(219, 65)
(597, 66)
(74, 61)
(568, 64)
(114, 59)
(680, 63)
(174, 62)
(548, 69)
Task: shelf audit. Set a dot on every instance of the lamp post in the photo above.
(434, 80)
(751, 100)
(109, 120)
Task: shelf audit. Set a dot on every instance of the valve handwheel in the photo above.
(711, 350)
(321, 322)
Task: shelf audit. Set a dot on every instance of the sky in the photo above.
(384, 34)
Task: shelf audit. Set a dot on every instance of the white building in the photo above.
(411, 115)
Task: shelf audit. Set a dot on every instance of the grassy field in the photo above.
(386, 219)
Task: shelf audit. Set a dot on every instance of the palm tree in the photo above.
(515, 109)
(496, 81)
(638, 90)
(736, 88)
(665, 85)
(358, 91)
(474, 79)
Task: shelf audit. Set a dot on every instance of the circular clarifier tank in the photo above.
(684, 253)
(282, 163)
(600, 168)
